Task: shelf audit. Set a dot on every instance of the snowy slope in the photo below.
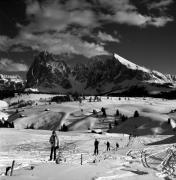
(3, 105)
(129, 64)
(31, 147)
(156, 77)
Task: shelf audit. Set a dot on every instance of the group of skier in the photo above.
(96, 145)
(54, 142)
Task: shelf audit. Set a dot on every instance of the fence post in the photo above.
(13, 163)
(81, 159)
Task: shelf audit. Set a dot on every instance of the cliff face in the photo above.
(102, 74)
(47, 71)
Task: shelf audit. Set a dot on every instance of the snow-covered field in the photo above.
(31, 147)
(3, 105)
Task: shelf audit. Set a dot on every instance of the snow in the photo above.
(129, 174)
(31, 147)
(173, 123)
(33, 97)
(3, 105)
(157, 77)
(129, 64)
(31, 90)
(14, 78)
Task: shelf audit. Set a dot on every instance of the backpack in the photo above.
(52, 139)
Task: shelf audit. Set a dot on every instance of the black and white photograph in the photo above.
(87, 89)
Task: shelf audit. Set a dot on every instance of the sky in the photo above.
(142, 31)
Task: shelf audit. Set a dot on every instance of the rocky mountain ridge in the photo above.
(101, 75)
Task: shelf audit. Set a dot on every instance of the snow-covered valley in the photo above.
(30, 147)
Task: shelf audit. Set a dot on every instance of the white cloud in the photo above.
(107, 37)
(160, 4)
(57, 43)
(32, 7)
(136, 19)
(4, 43)
(126, 13)
(117, 5)
(160, 21)
(131, 18)
(10, 65)
(51, 25)
(72, 44)
(55, 16)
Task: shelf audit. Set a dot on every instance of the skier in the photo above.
(103, 110)
(54, 141)
(110, 126)
(108, 145)
(117, 146)
(96, 143)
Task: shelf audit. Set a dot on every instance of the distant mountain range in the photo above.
(105, 74)
(11, 82)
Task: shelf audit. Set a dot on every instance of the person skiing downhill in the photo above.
(54, 141)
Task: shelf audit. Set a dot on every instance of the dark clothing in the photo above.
(96, 143)
(108, 146)
(54, 141)
(53, 150)
(96, 151)
(117, 146)
(103, 111)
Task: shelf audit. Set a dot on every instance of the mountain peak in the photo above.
(129, 64)
(102, 74)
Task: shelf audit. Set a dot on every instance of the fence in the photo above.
(163, 160)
